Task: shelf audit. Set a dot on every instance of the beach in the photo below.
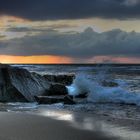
(64, 125)
(20, 126)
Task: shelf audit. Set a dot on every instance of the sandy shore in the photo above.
(21, 126)
(65, 125)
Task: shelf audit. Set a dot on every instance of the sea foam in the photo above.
(100, 94)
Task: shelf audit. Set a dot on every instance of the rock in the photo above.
(56, 89)
(54, 99)
(48, 99)
(61, 79)
(84, 95)
(68, 100)
(18, 84)
(8, 92)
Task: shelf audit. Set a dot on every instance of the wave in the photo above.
(99, 94)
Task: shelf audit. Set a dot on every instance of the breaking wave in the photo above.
(100, 94)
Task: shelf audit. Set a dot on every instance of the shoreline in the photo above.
(119, 121)
(65, 124)
(21, 126)
(125, 115)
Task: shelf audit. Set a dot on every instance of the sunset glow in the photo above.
(46, 59)
(34, 59)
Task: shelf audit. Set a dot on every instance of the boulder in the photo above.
(54, 99)
(18, 84)
(56, 89)
(48, 99)
(61, 79)
(82, 96)
(69, 100)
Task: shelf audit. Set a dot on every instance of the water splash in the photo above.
(100, 94)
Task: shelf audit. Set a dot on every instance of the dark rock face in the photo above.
(49, 99)
(69, 100)
(61, 79)
(54, 99)
(56, 89)
(7, 91)
(20, 85)
(82, 96)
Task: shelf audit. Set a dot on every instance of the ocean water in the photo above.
(101, 99)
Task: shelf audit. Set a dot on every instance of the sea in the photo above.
(122, 100)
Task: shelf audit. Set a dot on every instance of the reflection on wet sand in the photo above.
(92, 123)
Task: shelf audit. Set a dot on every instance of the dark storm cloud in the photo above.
(70, 9)
(81, 45)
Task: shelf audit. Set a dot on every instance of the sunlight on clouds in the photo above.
(98, 24)
(7, 21)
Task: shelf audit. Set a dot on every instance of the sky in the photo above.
(70, 31)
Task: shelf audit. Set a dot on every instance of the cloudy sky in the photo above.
(70, 31)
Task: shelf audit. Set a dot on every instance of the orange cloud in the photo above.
(11, 20)
(46, 59)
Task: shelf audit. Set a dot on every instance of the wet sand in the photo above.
(28, 121)
(21, 126)
(109, 127)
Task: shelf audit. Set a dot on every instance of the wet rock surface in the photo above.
(61, 79)
(69, 100)
(55, 99)
(49, 99)
(19, 85)
(56, 89)
(82, 96)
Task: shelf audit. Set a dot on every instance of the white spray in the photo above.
(80, 85)
(98, 93)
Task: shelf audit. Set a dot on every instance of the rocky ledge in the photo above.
(20, 85)
(55, 99)
(61, 79)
